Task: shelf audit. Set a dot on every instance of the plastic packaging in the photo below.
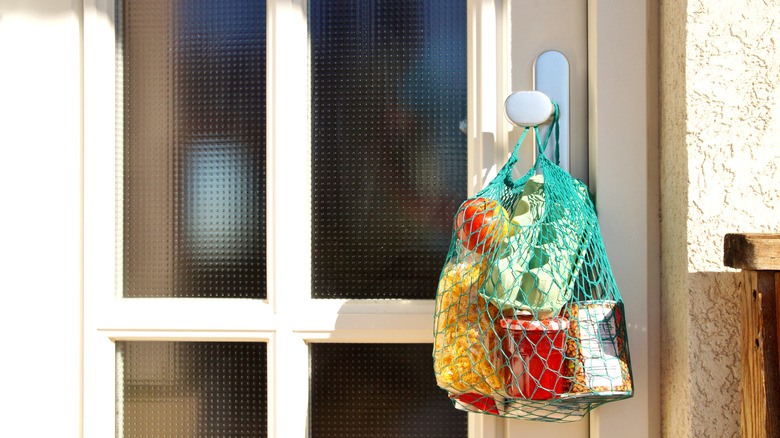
(540, 260)
(467, 353)
(479, 403)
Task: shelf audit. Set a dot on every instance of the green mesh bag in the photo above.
(529, 322)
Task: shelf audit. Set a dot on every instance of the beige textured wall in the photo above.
(720, 152)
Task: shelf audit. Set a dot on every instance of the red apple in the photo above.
(481, 224)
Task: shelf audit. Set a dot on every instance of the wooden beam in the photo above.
(753, 413)
(758, 255)
(755, 252)
(760, 369)
(767, 297)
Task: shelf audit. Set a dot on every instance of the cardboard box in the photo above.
(597, 345)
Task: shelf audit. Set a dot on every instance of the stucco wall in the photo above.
(720, 152)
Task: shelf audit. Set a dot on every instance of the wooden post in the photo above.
(758, 255)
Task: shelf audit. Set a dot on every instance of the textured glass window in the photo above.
(379, 391)
(192, 130)
(191, 389)
(388, 82)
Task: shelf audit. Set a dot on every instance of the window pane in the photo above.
(192, 108)
(379, 390)
(388, 84)
(191, 389)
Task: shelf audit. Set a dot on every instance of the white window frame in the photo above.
(289, 319)
(107, 319)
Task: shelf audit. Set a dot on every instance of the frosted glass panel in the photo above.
(379, 391)
(192, 117)
(191, 389)
(389, 170)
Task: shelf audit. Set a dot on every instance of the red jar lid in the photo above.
(552, 324)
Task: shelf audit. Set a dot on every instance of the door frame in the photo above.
(623, 107)
(623, 174)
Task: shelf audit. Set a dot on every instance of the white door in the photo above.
(289, 314)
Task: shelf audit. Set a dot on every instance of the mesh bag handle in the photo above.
(529, 322)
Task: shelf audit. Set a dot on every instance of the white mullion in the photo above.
(190, 314)
(364, 337)
(357, 328)
(290, 399)
(367, 307)
(289, 212)
(414, 327)
(187, 336)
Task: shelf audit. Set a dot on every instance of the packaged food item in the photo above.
(483, 404)
(535, 349)
(597, 346)
(540, 260)
(467, 349)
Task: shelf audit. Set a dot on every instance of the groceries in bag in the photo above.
(529, 320)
